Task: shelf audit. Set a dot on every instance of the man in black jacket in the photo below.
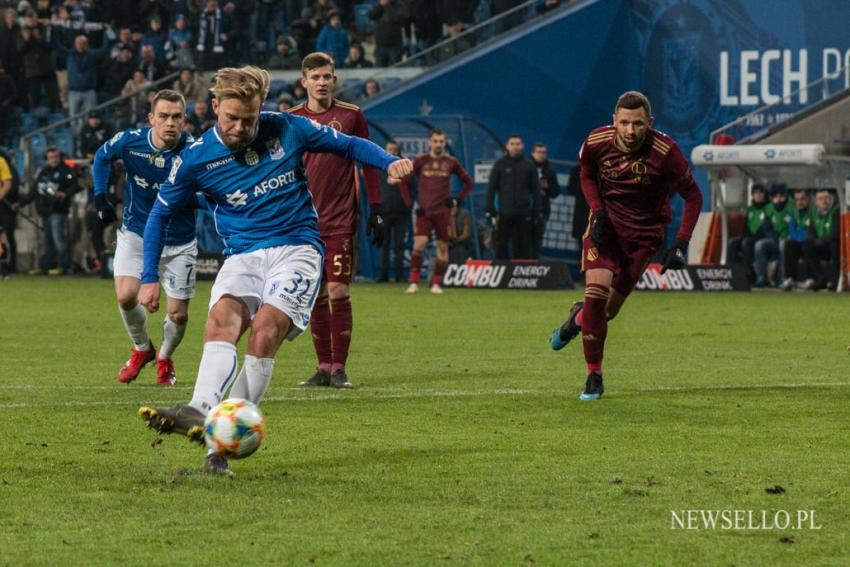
(55, 184)
(548, 181)
(514, 179)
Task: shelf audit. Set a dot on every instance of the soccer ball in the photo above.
(234, 428)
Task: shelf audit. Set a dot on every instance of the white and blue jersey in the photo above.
(147, 168)
(258, 195)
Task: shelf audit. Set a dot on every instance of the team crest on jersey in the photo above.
(276, 151)
(237, 198)
(251, 157)
(336, 125)
(159, 161)
(592, 254)
(175, 165)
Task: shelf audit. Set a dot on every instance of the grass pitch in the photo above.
(464, 442)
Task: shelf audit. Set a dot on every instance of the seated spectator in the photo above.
(285, 102)
(93, 134)
(451, 43)
(156, 37)
(822, 248)
(333, 39)
(742, 248)
(548, 5)
(153, 68)
(118, 71)
(136, 109)
(390, 17)
(285, 55)
(8, 94)
(370, 88)
(179, 44)
(299, 93)
(460, 246)
(776, 232)
(796, 273)
(190, 85)
(200, 119)
(356, 58)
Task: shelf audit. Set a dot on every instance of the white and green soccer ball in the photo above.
(235, 428)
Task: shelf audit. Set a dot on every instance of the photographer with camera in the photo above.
(55, 183)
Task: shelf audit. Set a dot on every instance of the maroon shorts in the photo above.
(339, 258)
(626, 254)
(439, 220)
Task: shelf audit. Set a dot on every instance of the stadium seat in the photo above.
(28, 122)
(64, 140)
(390, 82)
(38, 145)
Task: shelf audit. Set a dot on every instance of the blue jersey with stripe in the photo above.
(258, 195)
(147, 168)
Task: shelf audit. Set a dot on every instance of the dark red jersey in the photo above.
(634, 186)
(435, 180)
(332, 180)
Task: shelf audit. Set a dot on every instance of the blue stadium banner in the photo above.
(694, 278)
(509, 274)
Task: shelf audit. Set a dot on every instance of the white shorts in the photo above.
(286, 277)
(176, 266)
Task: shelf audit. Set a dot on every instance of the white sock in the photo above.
(240, 385)
(216, 372)
(172, 335)
(136, 323)
(253, 379)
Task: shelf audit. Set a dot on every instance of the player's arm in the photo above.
(371, 176)
(682, 181)
(175, 193)
(100, 170)
(493, 188)
(465, 178)
(590, 188)
(320, 138)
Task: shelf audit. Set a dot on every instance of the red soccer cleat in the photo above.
(165, 372)
(138, 360)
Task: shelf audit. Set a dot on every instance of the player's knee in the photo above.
(178, 317)
(337, 292)
(127, 302)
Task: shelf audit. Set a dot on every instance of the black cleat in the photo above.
(562, 336)
(216, 464)
(340, 380)
(320, 378)
(593, 389)
(183, 420)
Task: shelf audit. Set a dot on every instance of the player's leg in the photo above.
(594, 328)
(342, 325)
(442, 221)
(420, 241)
(320, 330)
(440, 264)
(127, 269)
(177, 268)
(236, 295)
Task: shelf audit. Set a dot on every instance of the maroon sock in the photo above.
(320, 328)
(341, 325)
(594, 325)
(439, 270)
(415, 266)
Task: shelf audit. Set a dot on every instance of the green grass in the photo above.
(464, 442)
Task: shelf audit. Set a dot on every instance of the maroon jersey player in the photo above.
(434, 171)
(628, 171)
(332, 181)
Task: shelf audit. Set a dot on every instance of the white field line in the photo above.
(362, 395)
(385, 393)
